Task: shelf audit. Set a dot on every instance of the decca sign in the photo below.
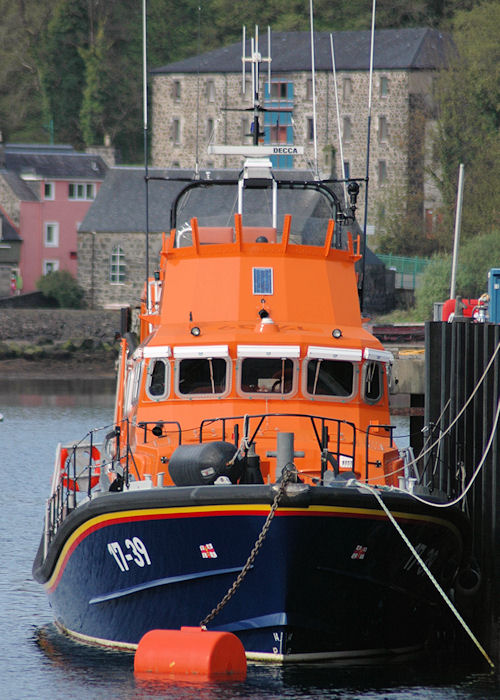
(287, 150)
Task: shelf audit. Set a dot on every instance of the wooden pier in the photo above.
(462, 403)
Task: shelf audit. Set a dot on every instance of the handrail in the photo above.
(319, 435)
(371, 428)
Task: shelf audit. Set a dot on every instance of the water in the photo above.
(37, 662)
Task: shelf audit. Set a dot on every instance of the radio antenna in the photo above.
(370, 88)
(313, 72)
(341, 148)
(145, 114)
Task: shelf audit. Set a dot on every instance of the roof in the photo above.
(395, 49)
(8, 231)
(119, 206)
(54, 162)
(120, 203)
(18, 186)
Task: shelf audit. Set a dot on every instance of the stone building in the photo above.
(112, 237)
(194, 101)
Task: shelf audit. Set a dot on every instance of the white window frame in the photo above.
(54, 265)
(122, 262)
(215, 355)
(52, 191)
(166, 389)
(55, 242)
(82, 191)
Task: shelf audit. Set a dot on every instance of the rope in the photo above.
(474, 475)
(427, 571)
(288, 473)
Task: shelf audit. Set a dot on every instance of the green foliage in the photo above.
(63, 288)
(77, 64)
(476, 258)
(468, 93)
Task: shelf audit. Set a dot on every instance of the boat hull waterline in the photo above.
(333, 578)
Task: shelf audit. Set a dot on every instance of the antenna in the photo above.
(197, 158)
(316, 172)
(145, 112)
(341, 148)
(255, 60)
(372, 42)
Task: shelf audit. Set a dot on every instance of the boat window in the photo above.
(330, 377)
(157, 382)
(202, 376)
(267, 375)
(373, 383)
(214, 205)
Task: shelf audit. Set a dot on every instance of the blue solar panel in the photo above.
(262, 280)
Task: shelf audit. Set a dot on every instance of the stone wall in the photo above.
(393, 149)
(40, 325)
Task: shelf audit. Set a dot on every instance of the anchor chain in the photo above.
(288, 472)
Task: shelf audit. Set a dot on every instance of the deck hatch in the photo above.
(262, 280)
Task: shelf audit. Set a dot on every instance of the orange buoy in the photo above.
(190, 653)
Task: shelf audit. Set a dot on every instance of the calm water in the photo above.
(36, 662)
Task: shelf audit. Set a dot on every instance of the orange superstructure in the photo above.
(249, 321)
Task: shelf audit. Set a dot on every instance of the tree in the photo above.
(21, 104)
(475, 259)
(61, 286)
(468, 94)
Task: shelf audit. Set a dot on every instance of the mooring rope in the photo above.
(447, 430)
(427, 570)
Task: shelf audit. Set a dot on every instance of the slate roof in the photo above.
(395, 49)
(53, 162)
(18, 186)
(119, 206)
(8, 232)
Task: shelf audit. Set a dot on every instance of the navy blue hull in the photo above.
(332, 577)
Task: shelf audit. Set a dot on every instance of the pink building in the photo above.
(47, 190)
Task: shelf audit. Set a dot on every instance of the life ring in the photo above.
(72, 484)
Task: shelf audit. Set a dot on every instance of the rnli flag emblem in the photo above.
(208, 551)
(359, 552)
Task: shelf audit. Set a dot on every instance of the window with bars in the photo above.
(117, 265)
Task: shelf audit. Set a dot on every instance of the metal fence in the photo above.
(407, 269)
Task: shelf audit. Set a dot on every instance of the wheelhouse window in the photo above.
(330, 377)
(202, 376)
(157, 385)
(373, 385)
(267, 375)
